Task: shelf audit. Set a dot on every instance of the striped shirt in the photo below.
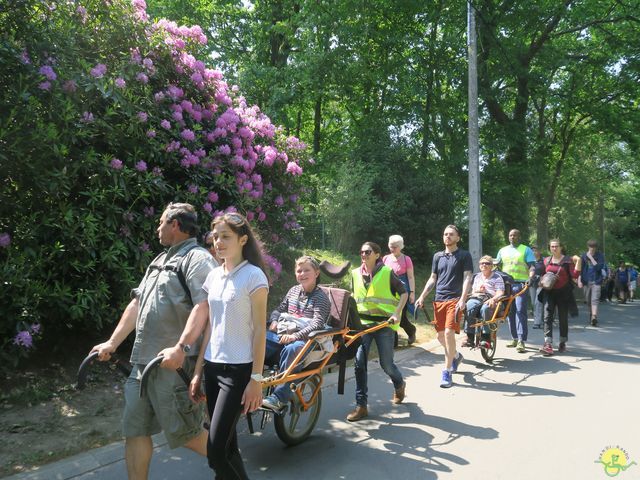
(314, 305)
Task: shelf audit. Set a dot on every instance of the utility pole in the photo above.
(475, 229)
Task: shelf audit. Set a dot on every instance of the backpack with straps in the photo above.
(177, 269)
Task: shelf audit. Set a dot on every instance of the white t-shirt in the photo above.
(230, 312)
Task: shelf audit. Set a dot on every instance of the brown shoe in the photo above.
(399, 394)
(358, 414)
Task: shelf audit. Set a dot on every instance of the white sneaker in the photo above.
(273, 403)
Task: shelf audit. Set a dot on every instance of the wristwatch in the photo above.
(186, 348)
(257, 377)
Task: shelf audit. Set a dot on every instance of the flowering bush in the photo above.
(107, 117)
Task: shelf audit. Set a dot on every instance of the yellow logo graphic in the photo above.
(614, 460)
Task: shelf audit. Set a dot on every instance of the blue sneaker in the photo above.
(446, 379)
(456, 362)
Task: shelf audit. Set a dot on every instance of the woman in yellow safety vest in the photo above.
(380, 296)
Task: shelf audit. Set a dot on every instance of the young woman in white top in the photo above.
(234, 352)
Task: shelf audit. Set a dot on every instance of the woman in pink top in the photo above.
(402, 266)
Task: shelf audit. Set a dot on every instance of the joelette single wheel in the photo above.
(488, 353)
(296, 423)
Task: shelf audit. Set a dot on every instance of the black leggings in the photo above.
(224, 385)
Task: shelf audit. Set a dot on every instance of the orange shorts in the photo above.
(444, 315)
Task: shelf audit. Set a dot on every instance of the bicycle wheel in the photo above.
(295, 425)
(488, 353)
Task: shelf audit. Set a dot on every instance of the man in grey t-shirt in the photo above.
(158, 312)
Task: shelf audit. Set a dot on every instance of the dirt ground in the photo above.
(44, 418)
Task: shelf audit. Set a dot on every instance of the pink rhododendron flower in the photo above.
(156, 172)
(151, 133)
(188, 135)
(165, 124)
(5, 239)
(294, 169)
(192, 188)
(99, 70)
(87, 117)
(45, 86)
(279, 201)
(116, 164)
(48, 72)
(82, 12)
(175, 92)
(262, 217)
(250, 215)
(141, 166)
(142, 117)
(207, 207)
(24, 57)
(135, 56)
(173, 146)
(70, 86)
(120, 82)
(23, 339)
(142, 78)
(213, 197)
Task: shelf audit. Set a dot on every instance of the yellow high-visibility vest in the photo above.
(377, 300)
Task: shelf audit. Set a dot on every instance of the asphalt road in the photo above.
(524, 417)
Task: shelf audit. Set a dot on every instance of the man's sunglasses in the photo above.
(485, 263)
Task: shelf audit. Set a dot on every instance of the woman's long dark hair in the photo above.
(251, 250)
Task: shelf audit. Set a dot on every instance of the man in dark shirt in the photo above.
(451, 276)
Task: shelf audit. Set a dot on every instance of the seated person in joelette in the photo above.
(303, 310)
(487, 288)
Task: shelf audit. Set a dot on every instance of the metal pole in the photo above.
(475, 229)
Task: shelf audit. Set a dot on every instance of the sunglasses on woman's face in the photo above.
(366, 253)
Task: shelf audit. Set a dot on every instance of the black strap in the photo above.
(177, 269)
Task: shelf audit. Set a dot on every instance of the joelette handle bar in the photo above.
(83, 371)
(151, 366)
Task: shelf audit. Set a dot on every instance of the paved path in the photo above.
(525, 417)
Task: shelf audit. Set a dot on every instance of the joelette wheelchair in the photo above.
(294, 423)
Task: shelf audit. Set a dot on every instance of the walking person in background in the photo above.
(451, 276)
(402, 266)
(622, 282)
(535, 288)
(517, 260)
(379, 296)
(633, 280)
(236, 307)
(559, 297)
(594, 271)
(610, 286)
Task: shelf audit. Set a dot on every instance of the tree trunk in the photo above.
(317, 122)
